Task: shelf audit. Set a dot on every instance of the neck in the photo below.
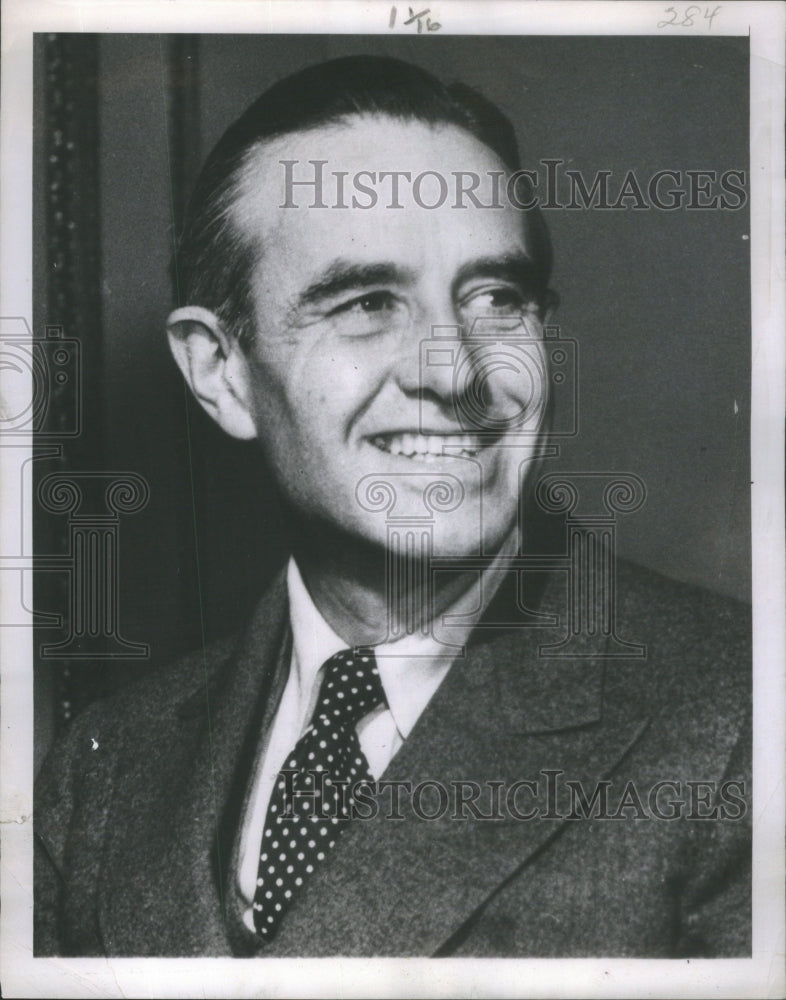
(368, 596)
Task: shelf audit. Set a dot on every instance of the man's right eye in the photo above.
(372, 302)
(367, 314)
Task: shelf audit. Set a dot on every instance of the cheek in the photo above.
(309, 409)
(523, 382)
(335, 387)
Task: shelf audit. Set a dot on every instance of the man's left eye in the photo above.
(495, 302)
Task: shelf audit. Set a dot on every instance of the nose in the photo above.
(490, 379)
(431, 358)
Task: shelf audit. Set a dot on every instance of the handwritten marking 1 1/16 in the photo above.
(420, 18)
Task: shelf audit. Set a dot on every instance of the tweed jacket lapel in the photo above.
(407, 886)
(187, 844)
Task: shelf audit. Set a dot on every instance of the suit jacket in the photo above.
(137, 838)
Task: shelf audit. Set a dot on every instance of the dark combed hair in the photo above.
(213, 262)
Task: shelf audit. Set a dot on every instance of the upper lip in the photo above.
(423, 431)
(444, 443)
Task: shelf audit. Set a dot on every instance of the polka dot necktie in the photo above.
(312, 798)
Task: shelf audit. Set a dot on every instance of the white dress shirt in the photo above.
(411, 669)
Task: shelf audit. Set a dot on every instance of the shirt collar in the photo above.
(411, 668)
(313, 640)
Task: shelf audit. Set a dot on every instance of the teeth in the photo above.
(426, 448)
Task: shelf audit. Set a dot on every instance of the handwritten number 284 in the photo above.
(688, 16)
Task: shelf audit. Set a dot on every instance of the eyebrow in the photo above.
(515, 266)
(342, 276)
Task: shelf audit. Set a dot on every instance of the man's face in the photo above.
(342, 394)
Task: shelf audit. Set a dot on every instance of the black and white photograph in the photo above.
(392, 552)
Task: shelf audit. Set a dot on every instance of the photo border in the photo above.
(762, 975)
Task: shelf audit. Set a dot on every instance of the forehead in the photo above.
(375, 143)
(367, 181)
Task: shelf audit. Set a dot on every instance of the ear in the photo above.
(215, 368)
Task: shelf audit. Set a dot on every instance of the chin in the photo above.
(443, 539)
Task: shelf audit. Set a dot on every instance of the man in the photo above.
(412, 750)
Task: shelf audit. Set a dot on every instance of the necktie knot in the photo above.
(351, 688)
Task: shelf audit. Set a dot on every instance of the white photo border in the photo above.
(760, 976)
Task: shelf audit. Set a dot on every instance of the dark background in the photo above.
(658, 301)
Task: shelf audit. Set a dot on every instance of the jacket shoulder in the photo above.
(149, 704)
(694, 678)
(687, 630)
(686, 606)
(163, 693)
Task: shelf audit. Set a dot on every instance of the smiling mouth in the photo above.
(426, 447)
